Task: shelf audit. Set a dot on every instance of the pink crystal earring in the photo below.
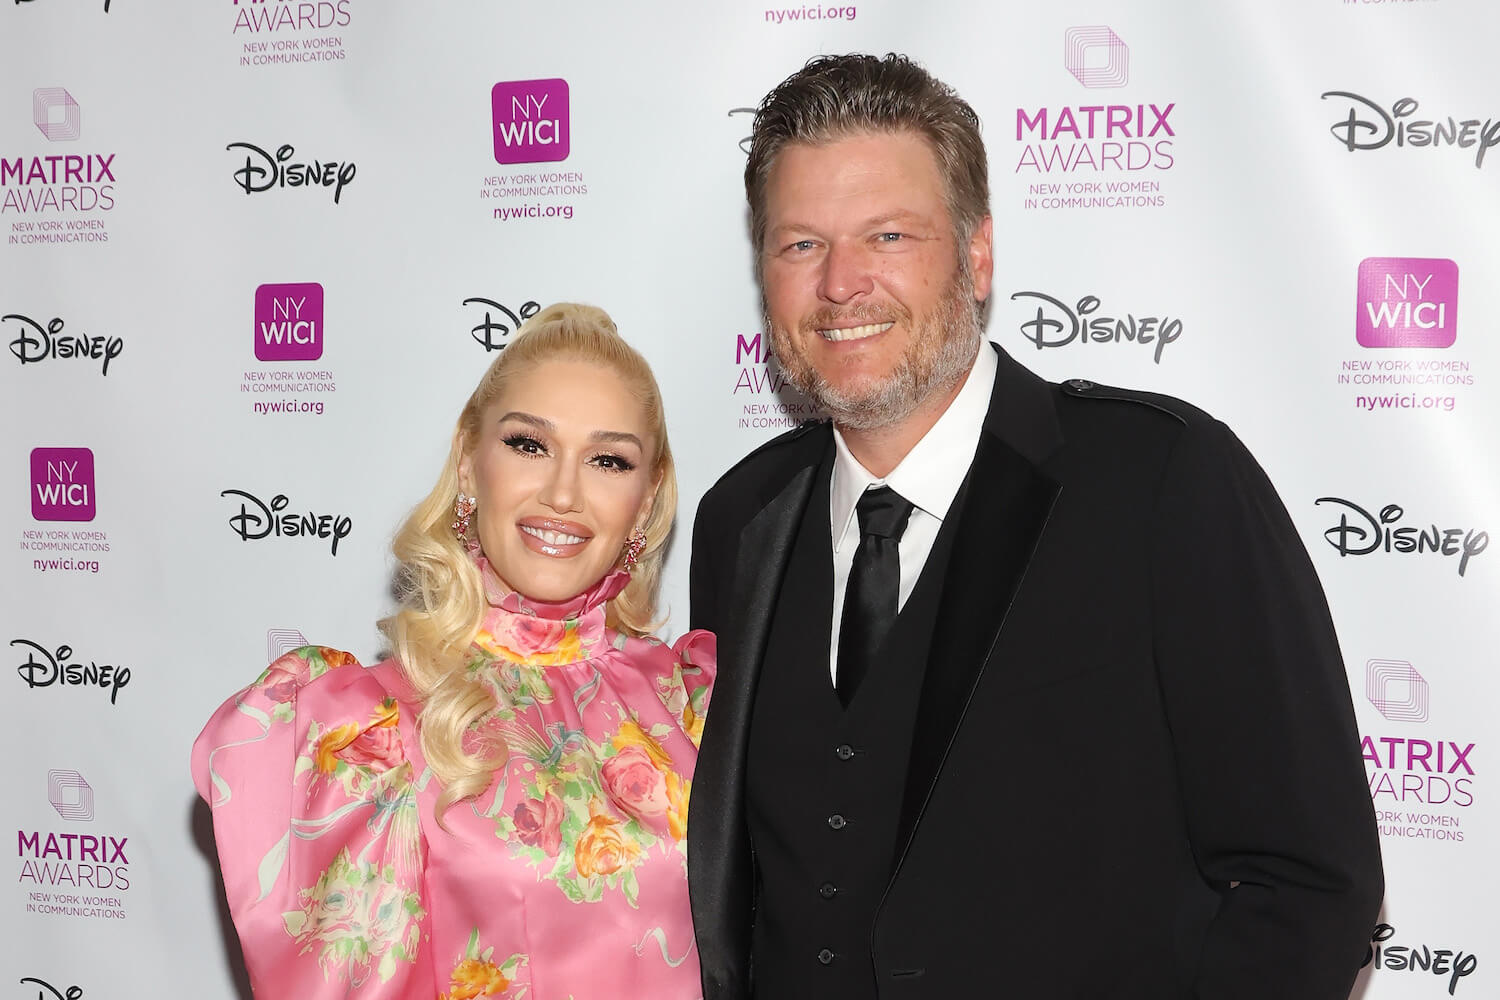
(634, 546)
(463, 510)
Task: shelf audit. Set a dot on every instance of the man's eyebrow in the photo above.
(875, 221)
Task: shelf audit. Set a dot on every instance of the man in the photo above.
(1105, 748)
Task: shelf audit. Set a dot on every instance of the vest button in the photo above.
(828, 890)
(825, 956)
(837, 821)
(843, 751)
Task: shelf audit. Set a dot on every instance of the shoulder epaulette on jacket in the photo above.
(784, 438)
(1082, 388)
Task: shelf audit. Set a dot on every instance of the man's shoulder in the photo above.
(1089, 402)
(770, 464)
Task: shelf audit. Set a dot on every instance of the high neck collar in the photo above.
(543, 633)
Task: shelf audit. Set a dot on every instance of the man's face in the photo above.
(869, 310)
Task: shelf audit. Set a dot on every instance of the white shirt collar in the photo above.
(931, 473)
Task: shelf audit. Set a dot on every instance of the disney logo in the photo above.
(258, 519)
(1377, 128)
(1373, 533)
(54, 668)
(72, 992)
(1399, 957)
(38, 343)
(1057, 325)
(271, 171)
(493, 335)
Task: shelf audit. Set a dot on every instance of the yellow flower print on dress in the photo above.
(630, 734)
(476, 975)
(603, 848)
(376, 745)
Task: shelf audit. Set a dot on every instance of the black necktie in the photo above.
(873, 594)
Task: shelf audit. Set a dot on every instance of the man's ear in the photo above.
(982, 257)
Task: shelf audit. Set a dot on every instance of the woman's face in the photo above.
(562, 471)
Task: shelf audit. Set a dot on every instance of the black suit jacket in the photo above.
(1136, 769)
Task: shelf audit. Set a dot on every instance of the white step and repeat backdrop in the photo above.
(256, 252)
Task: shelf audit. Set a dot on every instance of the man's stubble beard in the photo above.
(937, 356)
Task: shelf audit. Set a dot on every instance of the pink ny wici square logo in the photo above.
(56, 113)
(1096, 56)
(1407, 302)
(531, 121)
(289, 322)
(62, 484)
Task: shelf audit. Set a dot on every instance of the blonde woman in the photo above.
(500, 809)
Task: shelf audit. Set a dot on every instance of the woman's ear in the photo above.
(465, 464)
(649, 504)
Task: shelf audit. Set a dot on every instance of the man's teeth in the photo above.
(552, 537)
(856, 332)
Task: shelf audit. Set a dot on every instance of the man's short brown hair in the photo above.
(836, 97)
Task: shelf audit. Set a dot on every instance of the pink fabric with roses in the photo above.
(565, 879)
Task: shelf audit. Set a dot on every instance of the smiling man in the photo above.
(1025, 690)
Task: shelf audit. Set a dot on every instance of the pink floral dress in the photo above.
(566, 879)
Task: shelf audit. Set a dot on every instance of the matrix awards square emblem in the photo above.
(289, 322)
(1396, 690)
(1096, 56)
(62, 484)
(56, 113)
(70, 795)
(531, 121)
(1407, 302)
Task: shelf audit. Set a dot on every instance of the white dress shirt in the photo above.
(929, 476)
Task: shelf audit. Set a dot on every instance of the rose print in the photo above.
(602, 849)
(378, 747)
(539, 824)
(637, 787)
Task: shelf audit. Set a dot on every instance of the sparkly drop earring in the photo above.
(463, 510)
(634, 546)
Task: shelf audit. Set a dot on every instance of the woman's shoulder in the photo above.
(680, 674)
(696, 650)
(328, 705)
(327, 676)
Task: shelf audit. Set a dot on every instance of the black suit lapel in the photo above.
(719, 856)
(1001, 513)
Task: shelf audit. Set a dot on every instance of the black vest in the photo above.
(824, 784)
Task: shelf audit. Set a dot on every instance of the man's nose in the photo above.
(846, 274)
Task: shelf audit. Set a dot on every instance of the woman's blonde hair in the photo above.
(442, 593)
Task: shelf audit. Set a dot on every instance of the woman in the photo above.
(500, 809)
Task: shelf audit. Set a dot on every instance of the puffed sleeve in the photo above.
(697, 664)
(315, 819)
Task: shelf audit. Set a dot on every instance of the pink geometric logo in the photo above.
(531, 121)
(1396, 690)
(1096, 56)
(289, 322)
(70, 795)
(62, 484)
(1407, 302)
(56, 113)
